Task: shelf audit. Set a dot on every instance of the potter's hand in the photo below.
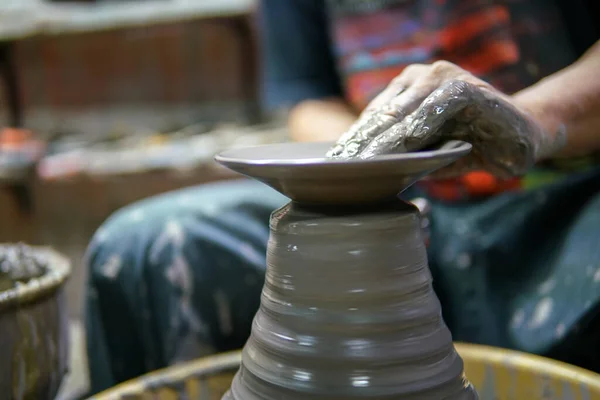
(427, 104)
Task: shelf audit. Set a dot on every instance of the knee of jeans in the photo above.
(135, 221)
(118, 238)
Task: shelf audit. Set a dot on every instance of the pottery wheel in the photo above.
(347, 309)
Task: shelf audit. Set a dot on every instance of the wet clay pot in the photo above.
(34, 331)
(347, 309)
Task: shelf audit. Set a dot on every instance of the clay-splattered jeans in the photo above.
(179, 276)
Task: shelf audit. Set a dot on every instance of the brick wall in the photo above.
(159, 75)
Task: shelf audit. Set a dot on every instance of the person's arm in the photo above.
(299, 71)
(571, 98)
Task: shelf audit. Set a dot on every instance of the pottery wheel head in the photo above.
(301, 171)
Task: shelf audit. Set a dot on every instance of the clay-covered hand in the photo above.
(429, 104)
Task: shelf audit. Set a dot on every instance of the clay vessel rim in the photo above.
(313, 154)
(302, 172)
(59, 270)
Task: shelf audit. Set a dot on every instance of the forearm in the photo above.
(570, 97)
(320, 120)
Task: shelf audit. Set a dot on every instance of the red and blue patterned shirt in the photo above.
(354, 48)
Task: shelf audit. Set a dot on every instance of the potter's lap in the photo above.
(206, 243)
(521, 270)
(144, 220)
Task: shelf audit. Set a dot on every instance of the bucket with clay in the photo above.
(33, 322)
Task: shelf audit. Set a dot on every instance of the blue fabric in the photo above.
(297, 60)
(179, 276)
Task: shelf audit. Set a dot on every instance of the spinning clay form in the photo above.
(347, 309)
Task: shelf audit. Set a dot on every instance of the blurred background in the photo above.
(107, 102)
(104, 102)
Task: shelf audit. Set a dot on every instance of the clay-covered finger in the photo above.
(371, 126)
(360, 134)
(399, 85)
(390, 141)
(388, 108)
(424, 126)
(372, 123)
(442, 106)
(382, 99)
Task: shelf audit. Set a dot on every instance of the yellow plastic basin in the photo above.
(497, 374)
